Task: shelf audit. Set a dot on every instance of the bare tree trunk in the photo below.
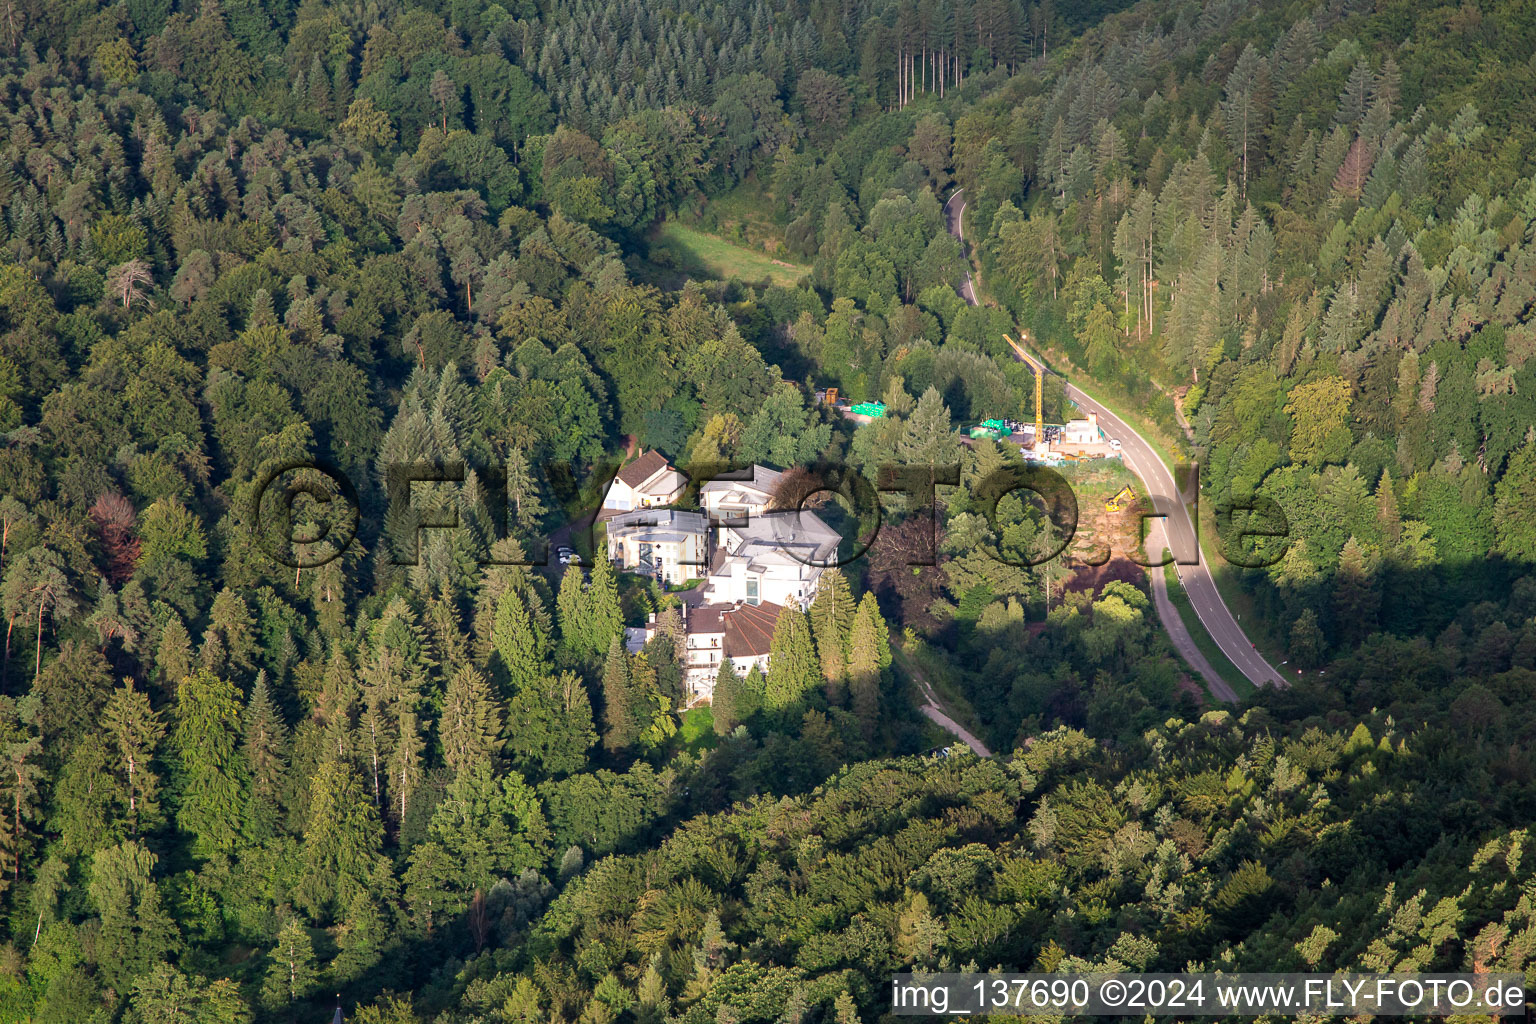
(38, 668)
(5, 666)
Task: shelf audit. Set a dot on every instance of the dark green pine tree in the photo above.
(135, 930)
(605, 616)
(265, 747)
(523, 492)
(173, 656)
(136, 730)
(291, 974)
(756, 687)
(229, 643)
(571, 609)
(471, 724)
(733, 702)
(210, 786)
(620, 727)
(521, 647)
(341, 842)
(792, 666)
(1356, 599)
(360, 941)
(831, 617)
(864, 665)
(551, 726)
(882, 629)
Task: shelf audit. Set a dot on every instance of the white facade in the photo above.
(1082, 431)
(776, 558)
(647, 482)
(667, 544)
(737, 499)
(740, 634)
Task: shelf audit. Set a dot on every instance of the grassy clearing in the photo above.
(1208, 647)
(726, 260)
(697, 731)
(745, 215)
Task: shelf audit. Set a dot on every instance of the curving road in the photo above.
(952, 217)
(1174, 529)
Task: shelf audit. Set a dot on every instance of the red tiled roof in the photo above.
(643, 468)
(749, 629)
(707, 618)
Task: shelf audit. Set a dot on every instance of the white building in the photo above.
(742, 634)
(1083, 431)
(737, 499)
(648, 482)
(775, 558)
(665, 543)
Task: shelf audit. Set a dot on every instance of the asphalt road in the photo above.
(1179, 532)
(1173, 622)
(1175, 530)
(952, 217)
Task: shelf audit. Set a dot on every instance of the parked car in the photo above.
(567, 555)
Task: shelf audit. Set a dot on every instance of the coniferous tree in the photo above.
(360, 940)
(523, 492)
(229, 642)
(831, 617)
(341, 841)
(572, 609)
(550, 727)
(337, 702)
(471, 723)
(864, 653)
(173, 656)
(792, 667)
(407, 763)
(210, 786)
(136, 930)
(620, 727)
(519, 644)
(165, 995)
(732, 702)
(21, 778)
(1356, 598)
(605, 617)
(291, 973)
(265, 749)
(136, 730)
(490, 826)
(652, 708)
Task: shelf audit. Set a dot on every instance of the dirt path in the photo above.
(932, 706)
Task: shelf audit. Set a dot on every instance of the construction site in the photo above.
(1050, 443)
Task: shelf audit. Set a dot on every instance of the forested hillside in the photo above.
(240, 783)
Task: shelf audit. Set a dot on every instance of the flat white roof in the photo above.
(783, 537)
(763, 480)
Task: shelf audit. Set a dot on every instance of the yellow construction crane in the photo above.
(1039, 368)
(1125, 496)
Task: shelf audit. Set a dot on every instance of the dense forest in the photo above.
(422, 777)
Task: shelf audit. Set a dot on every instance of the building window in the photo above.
(752, 597)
